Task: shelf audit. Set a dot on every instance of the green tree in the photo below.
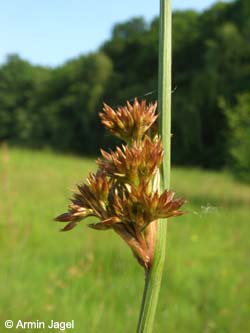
(134, 62)
(58, 107)
(16, 86)
(238, 119)
(67, 104)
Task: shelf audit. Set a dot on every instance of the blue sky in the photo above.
(49, 32)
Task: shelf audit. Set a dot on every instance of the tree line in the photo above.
(58, 107)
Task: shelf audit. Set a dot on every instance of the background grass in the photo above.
(91, 276)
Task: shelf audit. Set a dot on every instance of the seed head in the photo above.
(91, 199)
(131, 164)
(142, 207)
(122, 195)
(129, 122)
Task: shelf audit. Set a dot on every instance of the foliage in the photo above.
(44, 107)
(65, 106)
(18, 82)
(238, 118)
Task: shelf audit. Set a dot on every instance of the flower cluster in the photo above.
(130, 122)
(121, 194)
(90, 200)
(131, 164)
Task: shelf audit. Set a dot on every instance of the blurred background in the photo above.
(58, 63)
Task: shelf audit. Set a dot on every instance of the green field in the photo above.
(91, 276)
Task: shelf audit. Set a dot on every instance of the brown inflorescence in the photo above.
(129, 122)
(134, 163)
(121, 194)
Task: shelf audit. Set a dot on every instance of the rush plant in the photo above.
(122, 194)
(127, 193)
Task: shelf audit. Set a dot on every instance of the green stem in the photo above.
(165, 85)
(154, 275)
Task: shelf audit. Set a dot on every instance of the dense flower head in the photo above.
(90, 200)
(112, 204)
(122, 193)
(130, 164)
(129, 122)
(141, 207)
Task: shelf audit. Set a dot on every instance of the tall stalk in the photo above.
(154, 275)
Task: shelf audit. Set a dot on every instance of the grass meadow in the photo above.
(91, 276)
